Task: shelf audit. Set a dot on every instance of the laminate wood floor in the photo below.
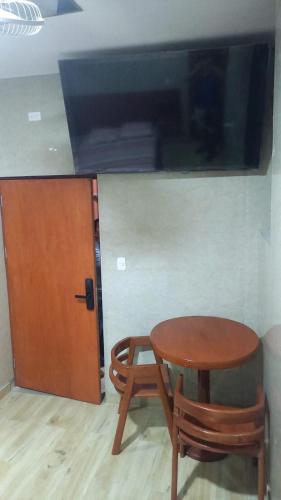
(60, 449)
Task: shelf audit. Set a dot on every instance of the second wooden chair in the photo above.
(140, 381)
(218, 429)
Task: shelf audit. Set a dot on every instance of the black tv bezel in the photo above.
(266, 38)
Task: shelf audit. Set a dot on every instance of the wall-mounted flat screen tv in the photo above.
(175, 109)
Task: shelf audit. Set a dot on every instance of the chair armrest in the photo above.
(142, 341)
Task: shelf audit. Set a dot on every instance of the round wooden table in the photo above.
(204, 343)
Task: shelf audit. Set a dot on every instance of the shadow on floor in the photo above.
(227, 474)
(233, 474)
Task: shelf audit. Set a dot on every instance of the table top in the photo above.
(204, 342)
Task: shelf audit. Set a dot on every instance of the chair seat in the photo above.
(150, 390)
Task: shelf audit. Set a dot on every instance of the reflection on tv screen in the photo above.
(167, 110)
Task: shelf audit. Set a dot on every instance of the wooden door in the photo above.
(49, 244)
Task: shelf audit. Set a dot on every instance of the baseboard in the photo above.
(6, 389)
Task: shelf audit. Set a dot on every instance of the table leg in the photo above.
(166, 403)
(204, 386)
(203, 397)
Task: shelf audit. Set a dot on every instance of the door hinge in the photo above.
(5, 251)
(14, 363)
(1, 201)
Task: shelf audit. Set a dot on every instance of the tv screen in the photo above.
(167, 110)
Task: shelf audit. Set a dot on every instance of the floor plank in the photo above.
(58, 449)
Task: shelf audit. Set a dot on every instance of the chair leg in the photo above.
(123, 411)
(174, 489)
(182, 447)
(165, 403)
(261, 474)
(120, 403)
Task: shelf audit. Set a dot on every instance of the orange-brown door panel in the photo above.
(48, 234)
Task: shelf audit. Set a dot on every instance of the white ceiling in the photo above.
(117, 23)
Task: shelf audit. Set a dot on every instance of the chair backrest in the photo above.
(219, 424)
(122, 359)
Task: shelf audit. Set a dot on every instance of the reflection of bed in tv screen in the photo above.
(171, 110)
(125, 130)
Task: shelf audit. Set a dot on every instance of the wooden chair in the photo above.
(140, 381)
(219, 429)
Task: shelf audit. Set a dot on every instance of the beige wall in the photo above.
(272, 288)
(33, 148)
(193, 245)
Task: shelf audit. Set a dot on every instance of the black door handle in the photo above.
(89, 297)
